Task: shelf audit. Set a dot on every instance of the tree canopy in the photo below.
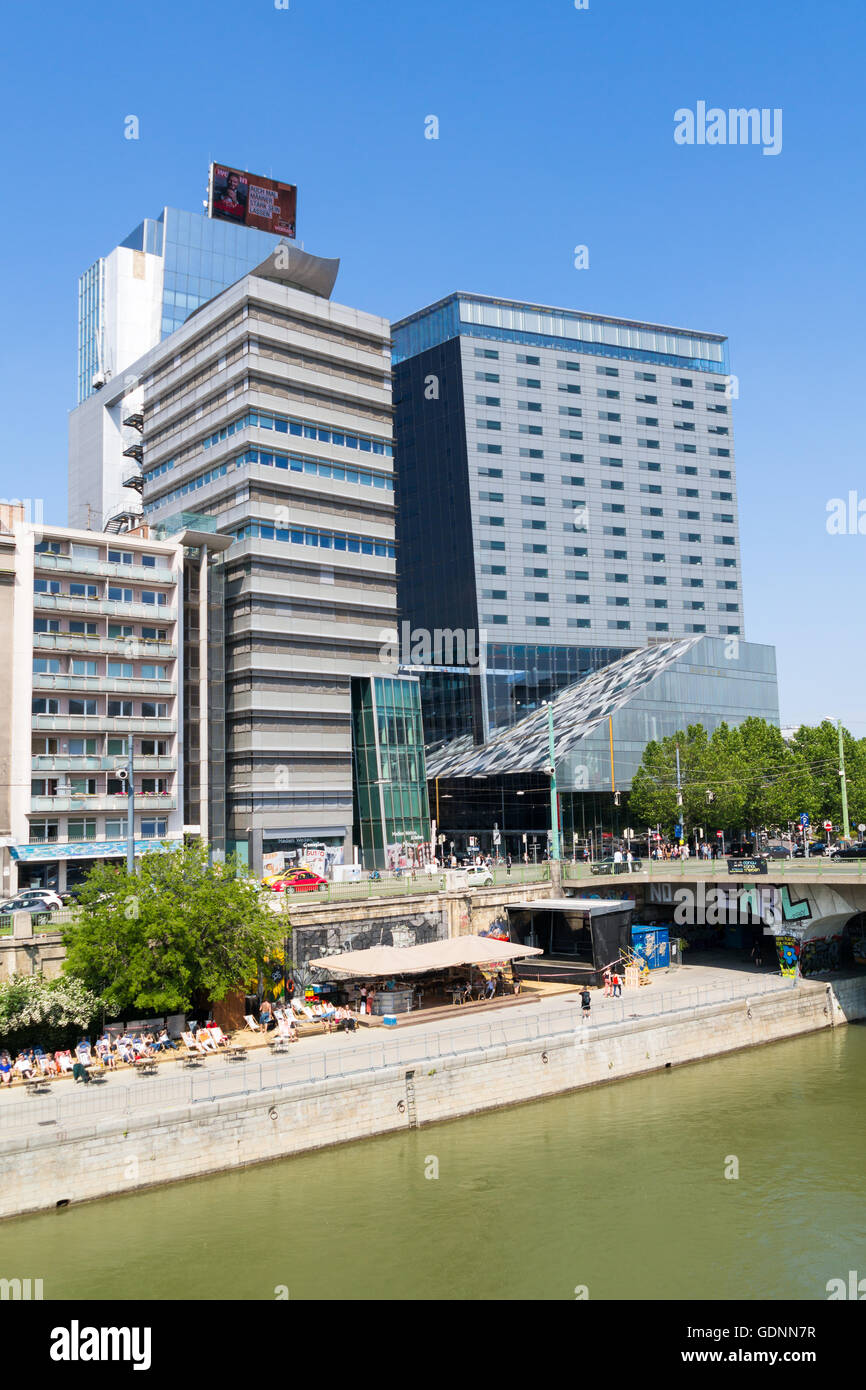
(150, 941)
(754, 777)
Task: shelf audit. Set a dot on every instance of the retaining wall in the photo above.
(46, 1165)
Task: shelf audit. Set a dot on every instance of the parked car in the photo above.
(777, 852)
(32, 905)
(816, 850)
(857, 851)
(479, 876)
(298, 881)
(47, 895)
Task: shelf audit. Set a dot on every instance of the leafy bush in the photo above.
(54, 1013)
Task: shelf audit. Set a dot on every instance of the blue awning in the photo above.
(88, 849)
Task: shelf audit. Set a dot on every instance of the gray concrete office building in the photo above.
(267, 417)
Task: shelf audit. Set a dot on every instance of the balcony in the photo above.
(109, 608)
(102, 724)
(128, 647)
(104, 685)
(48, 763)
(102, 801)
(104, 569)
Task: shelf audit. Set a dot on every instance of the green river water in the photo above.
(621, 1189)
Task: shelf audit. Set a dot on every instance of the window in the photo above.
(686, 448)
(492, 545)
(615, 484)
(692, 559)
(651, 487)
(492, 569)
(609, 415)
(616, 555)
(650, 420)
(153, 829)
(46, 586)
(571, 434)
(40, 705)
(46, 624)
(150, 672)
(647, 400)
(619, 626)
(690, 537)
(487, 352)
(574, 550)
(693, 583)
(537, 622)
(487, 376)
(617, 601)
(534, 525)
(572, 480)
(43, 786)
(612, 507)
(487, 400)
(568, 366)
(494, 593)
(682, 381)
(118, 595)
(656, 603)
(530, 573)
(490, 472)
(532, 453)
(726, 583)
(82, 786)
(489, 424)
(48, 548)
(489, 448)
(648, 444)
(43, 830)
(717, 409)
(120, 557)
(644, 376)
(653, 535)
(529, 361)
(654, 557)
(723, 516)
(611, 577)
(153, 634)
(116, 748)
(571, 410)
(83, 707)
(530, 500)
(651, 511)
(578, 622)
(43, 666)
(688, 469)
(536, 596)
(532, 383)
(719, 453)
(607, 395)
(571, 458)
(729, 607)
(658, 627)
(723, 540)
(150, 710)
(577, 598)
(84, 629)
(530, 429)
(570, 387)
(119, 709)
(115, 829)
(85, 668)
(491, 497)
(535, 549)
(532, 477)
(123, 670)
(694, 605)
(614, 530)
(651, 466)
(578, 575)
(494, 618)
(717, 429)
(492, 520)
(607, 371)
(120, 630)
(610, 439)
(655, 579)
(687, 492)
(720, 473)
(83, 591)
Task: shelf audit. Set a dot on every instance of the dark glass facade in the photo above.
(392, 817)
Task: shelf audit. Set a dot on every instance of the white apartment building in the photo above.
(93, 637)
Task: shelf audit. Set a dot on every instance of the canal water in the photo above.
(621, 1190)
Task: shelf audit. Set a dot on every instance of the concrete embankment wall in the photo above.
(44, 1166)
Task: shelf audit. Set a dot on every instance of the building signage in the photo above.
(752, 864)
(251, 201)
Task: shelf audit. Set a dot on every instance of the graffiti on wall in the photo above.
(788, 949)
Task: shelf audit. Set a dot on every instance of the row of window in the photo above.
(113, 828)
(613, 625)
(79, 666)
(73, 785)
(116, 709)
(114, 592)
(295, 463)
(325, 540)
(564, 364)
(93, 747)
(86, 628)
(93, 552)
(303, 429)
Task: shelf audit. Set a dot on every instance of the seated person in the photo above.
(490, 989)
(467, 991)
(64, 1061)
(125, 1050)
(106, 1053)
(82, 1052)
(205, 1037)
(5, 1069)
(24, 1065)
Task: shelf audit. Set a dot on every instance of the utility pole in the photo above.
(682, 819)
(130, 807)
(555, 862)
(844, 781)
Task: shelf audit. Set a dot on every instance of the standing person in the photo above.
(617, 856)
(363, 1005)
(508, 864)
(585, 1002)
(629, 859)
(608, 984)
(617, 984)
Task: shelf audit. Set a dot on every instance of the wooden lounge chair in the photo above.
(252, 1023)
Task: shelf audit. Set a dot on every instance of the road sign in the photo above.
(828, 825)
(718, 834)
(804, 819)
(497, 838)
(861, 827)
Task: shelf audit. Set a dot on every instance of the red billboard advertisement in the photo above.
(252, 201)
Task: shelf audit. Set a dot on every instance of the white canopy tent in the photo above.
(380, 962)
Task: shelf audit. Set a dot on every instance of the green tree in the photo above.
(54, 1013)
(151, 941)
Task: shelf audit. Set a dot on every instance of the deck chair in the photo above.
(286, 1029)
(205, 1041)
(218, 1036)
(192, 1045)
(64, 1061)
(252, 1023)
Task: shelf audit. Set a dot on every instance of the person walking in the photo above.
(585, 1002)
(508, 864)
(617, 984)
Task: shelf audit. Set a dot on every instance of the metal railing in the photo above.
(391, 885)
(226, 1079)
(816, 866)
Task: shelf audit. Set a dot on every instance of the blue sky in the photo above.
(556, 129)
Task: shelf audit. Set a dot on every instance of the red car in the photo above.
(299, 881)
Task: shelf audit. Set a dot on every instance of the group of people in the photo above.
(283, 1017)
(107, 1051)
(612, 984)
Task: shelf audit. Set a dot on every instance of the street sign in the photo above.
(828, 825)
(497, 838)
(718, 834)
(861, 827)
(804, 819)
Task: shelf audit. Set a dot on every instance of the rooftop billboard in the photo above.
(251, 201)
